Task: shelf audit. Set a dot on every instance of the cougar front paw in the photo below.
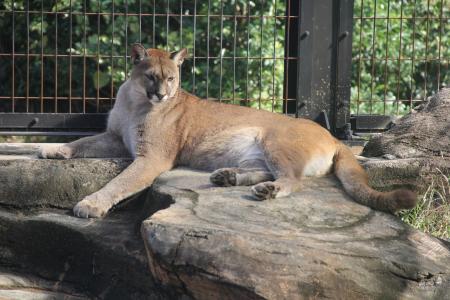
(90, 207)
(224, 177)
(58, 152)
(265, 190)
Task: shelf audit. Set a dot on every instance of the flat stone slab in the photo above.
(50, 248)
(219, 243)
(28, 183)
(100, 258)
(205, 242)
(16, 286)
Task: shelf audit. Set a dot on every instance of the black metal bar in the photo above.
(207, 48)
(140, 21)
(221, 52)
(59, 121)
(70, 57)
(167, 25)
(341, 84)
(42, 57)
(426, 50)
(48, 133)
(194, 53)
(291, 67)
(84, 56)
(13, 32)
(111, 94)
(399, 56)
(324, 51)
(28, 60)
(153, 24)
(274, 55)
(261, 24)
(248, 54)
(360, 56)
(126, 40)
(386, 56)
(373, 56)
(56, 58)
(234, 52)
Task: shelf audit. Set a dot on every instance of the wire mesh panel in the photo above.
(401, 54)
(70, 56)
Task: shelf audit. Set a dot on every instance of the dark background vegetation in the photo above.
(104, 35)
(401, 51)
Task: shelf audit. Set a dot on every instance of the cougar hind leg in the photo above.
(275, 189)
(248, 173)
(285, 160)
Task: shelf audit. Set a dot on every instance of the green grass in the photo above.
(432, 213)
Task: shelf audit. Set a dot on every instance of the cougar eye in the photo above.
(170, 78)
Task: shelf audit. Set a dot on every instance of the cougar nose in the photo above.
(160, 96)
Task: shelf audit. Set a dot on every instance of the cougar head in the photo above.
(156, 72)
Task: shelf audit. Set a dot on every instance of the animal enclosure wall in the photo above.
(401, 54)
(62, 61)
(71, 56)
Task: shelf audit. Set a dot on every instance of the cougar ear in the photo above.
(178, 56)
(138, 53)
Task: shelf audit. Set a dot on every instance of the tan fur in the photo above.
(162, 126)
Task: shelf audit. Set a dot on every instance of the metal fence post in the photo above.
(324, 48)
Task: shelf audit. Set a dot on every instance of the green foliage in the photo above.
(401, 56)
(93, 46)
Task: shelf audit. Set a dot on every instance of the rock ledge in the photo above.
(218, 242)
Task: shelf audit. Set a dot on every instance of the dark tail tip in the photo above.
(404, 199)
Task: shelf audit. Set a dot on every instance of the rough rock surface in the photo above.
(422, 133)
(316, 244)
(413, 173)
(205, 242)
(40, 183)
(40, 239)
(18, 286)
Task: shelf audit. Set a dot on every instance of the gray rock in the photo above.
(423, 133)
(204, 242)
(219, 243)
(51, 183)
(40, 238)
(413, 173)
(100, 258)
(16, 286)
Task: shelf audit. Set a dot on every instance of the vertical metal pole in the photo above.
(207, 48)
(322, 42)
(97, 102)
(343, 61)
(221, 52)
(126, 40)
(42, 58)
(274, 55)
(70, 56)
(13, 65)
(84, 55)
(28, 58)
(193, 50)
(56, 58)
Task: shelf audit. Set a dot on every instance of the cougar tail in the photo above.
(355, 181)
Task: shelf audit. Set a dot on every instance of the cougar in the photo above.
(162, 126)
